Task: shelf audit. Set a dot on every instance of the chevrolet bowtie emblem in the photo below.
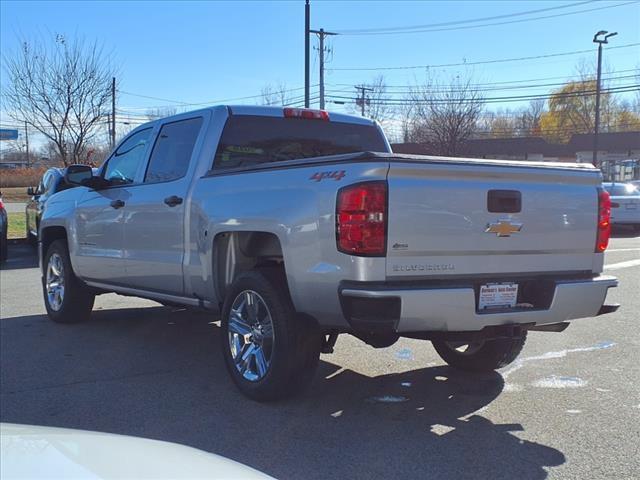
(503, 228)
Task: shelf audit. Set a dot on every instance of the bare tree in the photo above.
(405, 115)
(275, 95)
(529, 123)
(446, 115)
(160, 112)
(61, 89)
(503, 123)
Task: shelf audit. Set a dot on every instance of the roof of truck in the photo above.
(265, 111)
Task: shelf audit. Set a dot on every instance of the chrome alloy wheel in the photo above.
(466, 348)
(251, 335)
(55, 282)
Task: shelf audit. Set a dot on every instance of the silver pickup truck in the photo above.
(295, 226)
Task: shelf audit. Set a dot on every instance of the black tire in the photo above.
(32, 239)
(77, 300)
(4, 247)
(295, 350)
(488, 356)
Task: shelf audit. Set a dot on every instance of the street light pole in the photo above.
(307, 20)
(596, 128)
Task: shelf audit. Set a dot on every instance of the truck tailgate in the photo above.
(543, 219)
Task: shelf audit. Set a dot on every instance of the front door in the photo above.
(99, 218)
(100, 214)
(154, 229)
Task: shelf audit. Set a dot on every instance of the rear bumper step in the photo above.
(604, 309)
(454, 309)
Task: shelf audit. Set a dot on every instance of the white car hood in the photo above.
(44, 452)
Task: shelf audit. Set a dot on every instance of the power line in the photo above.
(460, 22)
(410, 89)
(508, 82)
(514, 131)
(407, 30)
(578, 93)
(482, 62)
(209, 102)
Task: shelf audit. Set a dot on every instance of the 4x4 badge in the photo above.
(503, 228)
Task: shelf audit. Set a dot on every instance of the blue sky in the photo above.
(206, 51)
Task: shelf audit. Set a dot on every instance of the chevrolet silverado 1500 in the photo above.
(298, 225)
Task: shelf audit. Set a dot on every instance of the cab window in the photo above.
(121, 168)
(172, 151)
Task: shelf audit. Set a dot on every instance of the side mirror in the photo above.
(31, 191)
(78, 174)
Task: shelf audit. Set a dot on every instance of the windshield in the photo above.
(250, 140)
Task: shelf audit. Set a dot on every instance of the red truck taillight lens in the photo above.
(604, 220)
(361, 219)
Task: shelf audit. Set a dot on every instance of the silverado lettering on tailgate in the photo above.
(427, 267)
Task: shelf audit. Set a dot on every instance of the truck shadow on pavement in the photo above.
(156, 373)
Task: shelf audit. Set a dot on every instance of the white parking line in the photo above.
(617, 266)
(623, 250)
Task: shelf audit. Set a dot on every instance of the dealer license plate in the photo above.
(497, 295)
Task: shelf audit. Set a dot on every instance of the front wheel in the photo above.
(482, 355)
(4, 246)
(66, 298)
(269, 351)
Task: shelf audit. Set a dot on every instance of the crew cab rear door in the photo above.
(154, 224)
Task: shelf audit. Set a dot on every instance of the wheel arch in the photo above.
(235, 252)
(50, 234)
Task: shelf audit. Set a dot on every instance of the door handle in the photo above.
(117, 204)
(173, 200)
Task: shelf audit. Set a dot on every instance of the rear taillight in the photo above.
(361, 219)
(306, 113)
(604, 220)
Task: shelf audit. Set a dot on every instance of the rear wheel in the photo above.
(269, 351)
(482, 355)
(66, 298)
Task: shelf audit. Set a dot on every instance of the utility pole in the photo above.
(113, 112)
(362, 101)
(321, 34)
(307, 21)
(26, 141)
(596, 128)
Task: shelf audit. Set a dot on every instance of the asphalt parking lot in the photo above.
(568, 408)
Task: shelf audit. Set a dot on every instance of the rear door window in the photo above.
(172, 151)
(251, 140)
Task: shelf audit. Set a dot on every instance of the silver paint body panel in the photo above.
(437, 207)
(454, 309)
